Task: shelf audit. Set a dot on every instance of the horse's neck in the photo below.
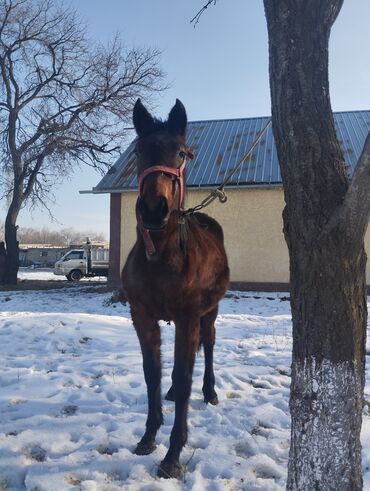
(168, 245)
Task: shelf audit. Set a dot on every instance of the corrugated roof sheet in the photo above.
(220, 144)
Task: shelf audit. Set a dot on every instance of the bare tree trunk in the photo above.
(2, 261)
(12, 254)
(11, 263)
(327, 262)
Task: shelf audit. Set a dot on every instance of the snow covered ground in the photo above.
(73, 397)
(46, 274)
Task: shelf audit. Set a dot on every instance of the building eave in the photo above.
(190, 188)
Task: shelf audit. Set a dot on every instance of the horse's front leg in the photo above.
(149, 335)
(207, 339)
(208, 335)
(186, 343)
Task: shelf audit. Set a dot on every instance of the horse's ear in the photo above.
(142, 119)
(177, 118)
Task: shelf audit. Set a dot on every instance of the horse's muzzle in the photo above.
(154, 218)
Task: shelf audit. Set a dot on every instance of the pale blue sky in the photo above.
(218, 70)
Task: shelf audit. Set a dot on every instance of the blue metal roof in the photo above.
(220, 144)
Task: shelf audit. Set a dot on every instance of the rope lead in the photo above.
(219, 192)
(216, 193)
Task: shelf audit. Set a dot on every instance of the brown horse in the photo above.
(177, 271)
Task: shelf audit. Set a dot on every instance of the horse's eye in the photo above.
(182, 154)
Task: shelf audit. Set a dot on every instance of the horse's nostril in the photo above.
(163, 207)
(143, 207)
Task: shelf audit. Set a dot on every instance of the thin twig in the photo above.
(196, 18)
(186, 465)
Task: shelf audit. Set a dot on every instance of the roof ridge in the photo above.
(265, 117)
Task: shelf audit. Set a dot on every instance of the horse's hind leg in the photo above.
(207, 338)
(149, 336)
(186, 343)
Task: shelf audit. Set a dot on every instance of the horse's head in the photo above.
(161, 156)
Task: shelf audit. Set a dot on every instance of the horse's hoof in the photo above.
(145, 448)
(170, 470)
(211, 400)
(170, 396)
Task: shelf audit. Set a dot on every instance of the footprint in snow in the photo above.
(107, 449)
(284, 371)
(75, 437)
(84, 339)
(266, 471)
(72, 480)
(246, 449)
(36, 453)
(260, 385)
(233, 395)
(95, 376)
(12, 433)
(261, 430)
(68, 410)
(111, 397)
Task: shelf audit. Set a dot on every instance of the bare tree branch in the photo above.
(354, 215)
(63, 100)
(198, 15)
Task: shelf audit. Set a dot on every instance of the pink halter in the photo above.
(179, 174)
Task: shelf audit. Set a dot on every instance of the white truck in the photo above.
(89, 261)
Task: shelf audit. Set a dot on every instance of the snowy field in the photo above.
(73, 397)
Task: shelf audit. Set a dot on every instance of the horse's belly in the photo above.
(167, 295)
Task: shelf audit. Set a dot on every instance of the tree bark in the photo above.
(327, 264)
(11, 260)
(12, 254)
(2, 262)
